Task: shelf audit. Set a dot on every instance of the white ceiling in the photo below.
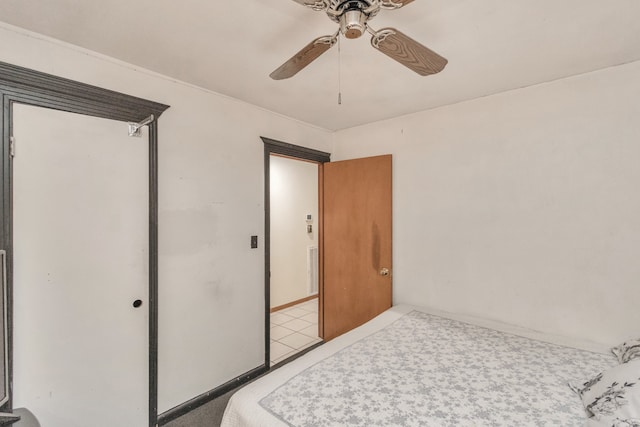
(231, 46)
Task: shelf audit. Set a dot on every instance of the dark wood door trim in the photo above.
(272, 146)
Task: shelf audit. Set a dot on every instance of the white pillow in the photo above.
(628, 350)
(612, 397)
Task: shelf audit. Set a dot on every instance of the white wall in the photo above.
(211, 300)
(294, 194)
(521, 207)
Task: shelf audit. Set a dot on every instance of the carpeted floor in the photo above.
(207, 415)
(210, 414)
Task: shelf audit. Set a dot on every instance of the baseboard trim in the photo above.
(292, 303)
(207, 397)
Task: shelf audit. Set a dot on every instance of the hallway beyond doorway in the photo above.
(293, 329)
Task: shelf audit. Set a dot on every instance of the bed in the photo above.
(415, 367)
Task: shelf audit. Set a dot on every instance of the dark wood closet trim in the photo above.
(22, 85)
(272, 146)
(46, 90)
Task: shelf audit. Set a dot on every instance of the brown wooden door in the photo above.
(357, 242)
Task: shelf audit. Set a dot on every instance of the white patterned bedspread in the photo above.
(425, 370)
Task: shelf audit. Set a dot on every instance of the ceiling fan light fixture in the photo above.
(353, 23)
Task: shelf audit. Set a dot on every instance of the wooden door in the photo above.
(81, 250)
(357, 242)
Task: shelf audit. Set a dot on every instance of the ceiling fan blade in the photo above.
(316, 4)
(306, 56)
(393, 4)
(408, 52)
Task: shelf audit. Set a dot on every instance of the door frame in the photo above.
(30, 87)
(296, 152)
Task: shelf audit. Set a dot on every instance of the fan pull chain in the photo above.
(339, 73)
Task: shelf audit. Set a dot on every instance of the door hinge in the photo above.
(12, 146)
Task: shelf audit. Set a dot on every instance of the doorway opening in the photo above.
(293, 249)
(294, 256)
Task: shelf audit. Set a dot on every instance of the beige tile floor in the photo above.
(293, 329)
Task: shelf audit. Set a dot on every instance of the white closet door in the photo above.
(80, 215)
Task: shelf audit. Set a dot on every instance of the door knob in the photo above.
(137, 303)
(384, 271)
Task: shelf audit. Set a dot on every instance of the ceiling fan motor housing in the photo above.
(352, 23)
(352, 15)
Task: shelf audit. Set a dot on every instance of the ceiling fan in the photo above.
(353, 17)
